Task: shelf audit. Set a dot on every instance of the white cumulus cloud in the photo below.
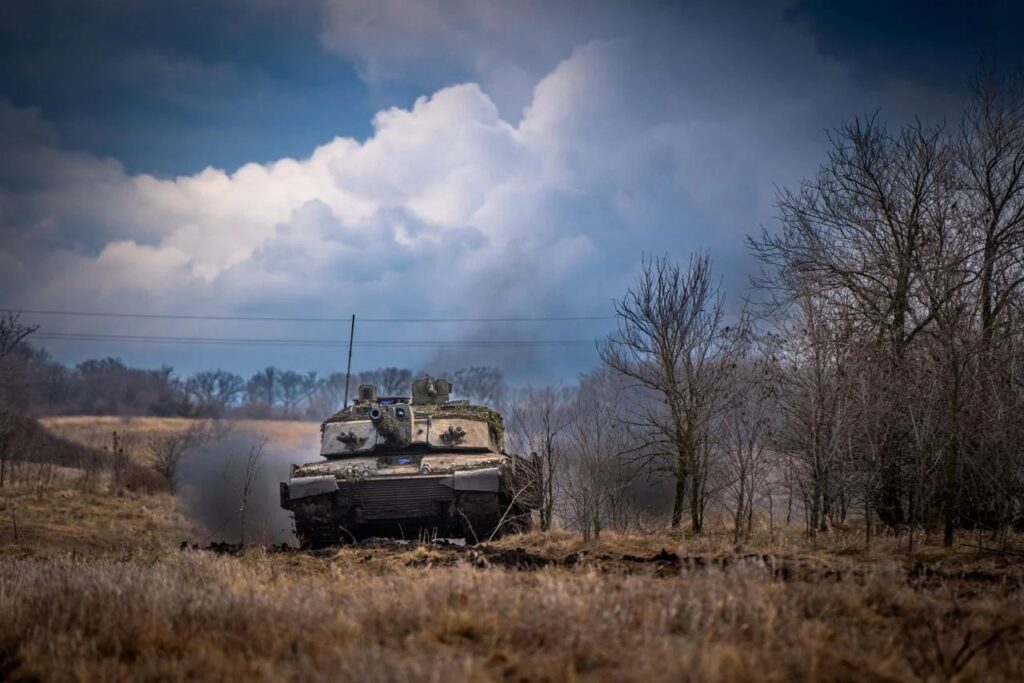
(452, 207)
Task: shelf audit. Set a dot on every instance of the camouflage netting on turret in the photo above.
(464, 411)
(353, 412)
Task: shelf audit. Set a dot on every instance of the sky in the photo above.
(429, 166)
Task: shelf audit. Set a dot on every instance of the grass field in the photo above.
(97, 588)
(97, 432)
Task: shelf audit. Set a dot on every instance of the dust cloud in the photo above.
(214, 476)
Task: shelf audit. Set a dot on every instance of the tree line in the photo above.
(876, 373)
(37, 385)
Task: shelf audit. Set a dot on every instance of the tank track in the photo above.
(316, 526)
(329, 519)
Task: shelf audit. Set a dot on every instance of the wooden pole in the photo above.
(348, 370)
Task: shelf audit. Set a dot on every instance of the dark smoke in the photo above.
(211, 481)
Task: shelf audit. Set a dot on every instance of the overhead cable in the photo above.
(245, 341)
(257, 318)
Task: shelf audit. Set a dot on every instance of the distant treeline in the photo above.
(40, 386)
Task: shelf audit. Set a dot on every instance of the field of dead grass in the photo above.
(66, 519)
(386, 615)
(97, 431)
(96, 587)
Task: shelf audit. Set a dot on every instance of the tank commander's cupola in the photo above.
(366, 393)
(430, 391)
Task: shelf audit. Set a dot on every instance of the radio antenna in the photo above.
(348, 369)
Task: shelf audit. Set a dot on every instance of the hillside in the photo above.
(96, 431)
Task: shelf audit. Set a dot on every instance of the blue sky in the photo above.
(423, 159)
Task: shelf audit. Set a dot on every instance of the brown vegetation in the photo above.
(95, 586)
(95, 431)
(402, 613)
(65, 519)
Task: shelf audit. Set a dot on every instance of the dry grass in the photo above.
(198, 615)
(95, 588)
(716, 540)
(97, 431)
(62, 520)
(98, 590)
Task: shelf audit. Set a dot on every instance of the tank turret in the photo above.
(407, 466)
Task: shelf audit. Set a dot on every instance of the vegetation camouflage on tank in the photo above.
(407, 466)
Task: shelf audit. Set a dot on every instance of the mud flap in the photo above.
(476, 502)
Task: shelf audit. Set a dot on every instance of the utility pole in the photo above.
(348, 370)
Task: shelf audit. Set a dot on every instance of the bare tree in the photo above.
(991, 152)
(538, 420)
(13, 332)
(673, 342)
(264, 386)
(395, 381)
(814, 363)
(983, 387)
(741, 434)
(213, 390)
(480, 384)
(166, 451)
(851, 260)
(121, 448)
(946, 281)
(865, 426)
(594, 486)
(390, 381)
(327, 397)
(244, 481)
(295, 388)
(8, 438)
(854, 235)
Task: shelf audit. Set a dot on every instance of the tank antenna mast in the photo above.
(348, 370)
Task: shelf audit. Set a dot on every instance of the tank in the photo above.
(410, 467)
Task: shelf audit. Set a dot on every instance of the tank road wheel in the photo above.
(316, 535)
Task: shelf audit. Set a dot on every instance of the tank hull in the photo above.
(477, 506)
(411, 467)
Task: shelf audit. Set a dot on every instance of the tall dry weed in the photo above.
(269, 617)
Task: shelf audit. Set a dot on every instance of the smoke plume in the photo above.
(241, 467)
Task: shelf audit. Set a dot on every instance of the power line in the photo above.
(255, 318)
(245, 341)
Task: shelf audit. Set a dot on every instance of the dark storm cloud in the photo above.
(170, 87)
(553, 144)
(936, 42)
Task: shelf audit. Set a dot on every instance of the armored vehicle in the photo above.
(409, 467)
